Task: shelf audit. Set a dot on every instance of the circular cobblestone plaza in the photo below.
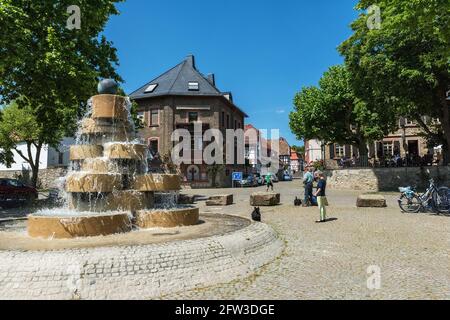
(288, 256)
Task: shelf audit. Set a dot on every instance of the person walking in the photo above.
(269, 181)
(308, 181)
(322, 197)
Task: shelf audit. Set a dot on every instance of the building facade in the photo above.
(405, 146)
(180, 99)
(313, 151)
(296, 162)
(49, 157)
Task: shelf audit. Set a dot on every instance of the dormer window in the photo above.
(193, 86)
(151, 88)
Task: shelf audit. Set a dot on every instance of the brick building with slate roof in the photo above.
(179, 98)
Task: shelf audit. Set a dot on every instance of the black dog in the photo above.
(297, 202)
(256, 215)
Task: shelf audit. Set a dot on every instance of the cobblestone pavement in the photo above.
(331, 261)
(137, 272)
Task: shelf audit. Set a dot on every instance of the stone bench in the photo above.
(265, 199)
(220, 200)
(371, 201)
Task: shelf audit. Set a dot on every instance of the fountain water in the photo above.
(109, 187)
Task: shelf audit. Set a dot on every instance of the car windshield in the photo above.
(15, 183)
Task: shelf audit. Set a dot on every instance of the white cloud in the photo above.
(280, 111)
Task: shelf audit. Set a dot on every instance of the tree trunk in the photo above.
(445, 122)
(35, 166)
(363, 153)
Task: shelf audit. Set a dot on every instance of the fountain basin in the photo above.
(60, 227)
(82, 152)
(170, 218)
(127, 151)
(83, 182)
(157, 182)
(108, 106)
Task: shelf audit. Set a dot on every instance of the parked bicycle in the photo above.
(435, 199)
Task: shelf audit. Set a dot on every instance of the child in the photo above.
(269, 182)
(321, 197)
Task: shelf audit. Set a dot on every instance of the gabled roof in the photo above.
(175, 82)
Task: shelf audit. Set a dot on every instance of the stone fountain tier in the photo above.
(116, 131)
(98, 165)
(157, 183)
(108, 106)
(82, 152)
(54, 227)
(122, 201)
(114, 151)
(128, 151)
(171, 218)
(85, 182)
(105, 165)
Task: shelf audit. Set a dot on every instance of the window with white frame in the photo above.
(388, 148)
(193, 86)
(154, 118)
(339, 151)
(151, 88)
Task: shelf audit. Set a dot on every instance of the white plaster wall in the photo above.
(49, 157)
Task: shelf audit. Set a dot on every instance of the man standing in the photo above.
(308, 180)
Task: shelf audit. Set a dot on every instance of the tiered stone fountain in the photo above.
(109, 189)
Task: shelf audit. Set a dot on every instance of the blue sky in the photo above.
(263, 51)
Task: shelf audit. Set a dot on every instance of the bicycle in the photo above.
(435, 199)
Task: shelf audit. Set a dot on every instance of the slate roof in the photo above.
(175, 82)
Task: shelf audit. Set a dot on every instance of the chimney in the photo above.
(190, 59)
(212, 79)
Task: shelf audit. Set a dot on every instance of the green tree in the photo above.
(49, 70)
(298, 149)
(332, 113)
(17, 126)
(403, 67)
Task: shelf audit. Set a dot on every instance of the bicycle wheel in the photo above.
(410, 205)
(441, 200)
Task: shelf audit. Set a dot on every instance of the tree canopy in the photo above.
(332, 113)
(51, 68)
(48, 69)
(403, 67)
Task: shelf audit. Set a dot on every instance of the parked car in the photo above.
(14, 190)
(287, 177)
(248, 181)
